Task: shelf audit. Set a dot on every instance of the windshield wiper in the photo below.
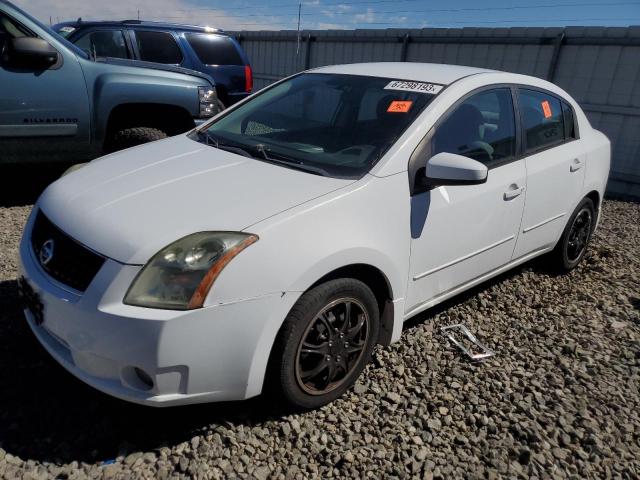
(214, 142)
(289, 161)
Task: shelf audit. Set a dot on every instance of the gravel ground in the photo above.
(560, 398)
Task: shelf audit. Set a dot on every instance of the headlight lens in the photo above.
(208, 102)
(180, 276)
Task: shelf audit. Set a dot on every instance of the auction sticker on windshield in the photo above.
(420, 87)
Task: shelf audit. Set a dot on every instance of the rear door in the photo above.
(460, 233)
(158, 47)
(103, 42)
(556, 163)
(44, 113)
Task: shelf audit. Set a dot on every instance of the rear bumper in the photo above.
(210, 354)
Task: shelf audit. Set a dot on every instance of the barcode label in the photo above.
(420, 87)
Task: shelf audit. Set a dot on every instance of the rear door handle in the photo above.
(513, 192)
(575, 165)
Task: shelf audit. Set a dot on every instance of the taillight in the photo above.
(248, 78)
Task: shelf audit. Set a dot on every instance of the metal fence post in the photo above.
(405, 47)
(555, 56)
(307, 52)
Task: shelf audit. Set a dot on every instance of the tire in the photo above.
(130, 137)
(575, 238)
(291, 364)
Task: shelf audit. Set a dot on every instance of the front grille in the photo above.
(64, 259)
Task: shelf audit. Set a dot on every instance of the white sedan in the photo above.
(274, 246)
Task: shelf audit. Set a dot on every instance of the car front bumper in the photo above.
(214, 353)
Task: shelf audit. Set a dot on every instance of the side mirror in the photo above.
(451, 169)
(30, 52)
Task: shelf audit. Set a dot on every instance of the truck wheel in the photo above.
(324, 343)
(130, 137)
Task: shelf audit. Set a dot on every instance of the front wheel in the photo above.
(130, 137)
(574, 241)
(324, 343)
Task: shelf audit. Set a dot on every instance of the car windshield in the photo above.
(327, 124)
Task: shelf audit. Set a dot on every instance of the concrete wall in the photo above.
(599, 66)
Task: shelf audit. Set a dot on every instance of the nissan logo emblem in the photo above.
(46, 252)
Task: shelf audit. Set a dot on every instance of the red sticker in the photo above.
(398, 106)
(546, 108)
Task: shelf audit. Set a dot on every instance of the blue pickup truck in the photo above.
(58, 103)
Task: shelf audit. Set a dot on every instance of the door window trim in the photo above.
(562, 100)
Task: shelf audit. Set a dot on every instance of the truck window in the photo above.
(158, 47)
(104, 43)
(214, 49)
(11, 29)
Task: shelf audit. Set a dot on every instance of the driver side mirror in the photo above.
(451, 169)
(30, 52)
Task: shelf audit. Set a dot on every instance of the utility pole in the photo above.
(138, 14)
(299, 14)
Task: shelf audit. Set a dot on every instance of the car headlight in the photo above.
(208, 102)
(180, 275)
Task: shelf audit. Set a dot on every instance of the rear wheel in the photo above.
(130, 137)
(325, 342)
(574, 241)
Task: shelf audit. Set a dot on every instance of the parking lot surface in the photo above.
(560, 398)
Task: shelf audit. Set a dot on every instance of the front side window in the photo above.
(214, 49)
(541, 119)
(158, 47)
(333, 125)
(11, 29)
(482, 127)
(104, 43)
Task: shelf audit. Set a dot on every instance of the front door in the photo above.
(44, 113)
(461, 232)
(556, 164)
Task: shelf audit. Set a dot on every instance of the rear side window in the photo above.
(482, 127)
(104, 43)
(214, 49)
(542, 119)
(158, 47)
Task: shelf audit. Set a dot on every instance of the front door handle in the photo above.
(575, 165)
(513, 192)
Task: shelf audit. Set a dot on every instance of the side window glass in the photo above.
(541, 118)
(158, 47)
(214, 49)
(569, 121)
(481, 128)
(104, 43)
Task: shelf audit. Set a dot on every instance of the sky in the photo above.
(347, 14)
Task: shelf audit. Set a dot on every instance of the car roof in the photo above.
(141, 23)
(420, 72)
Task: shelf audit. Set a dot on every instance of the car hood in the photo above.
(129, 205)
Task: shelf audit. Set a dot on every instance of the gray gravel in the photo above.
(560, 399)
